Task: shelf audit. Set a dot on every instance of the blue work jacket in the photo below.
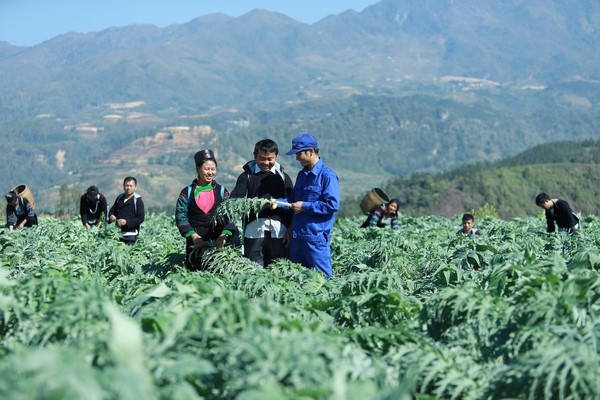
(319, 190)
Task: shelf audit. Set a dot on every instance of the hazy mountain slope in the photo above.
(402, 87)
(218, 60)
(366, 139)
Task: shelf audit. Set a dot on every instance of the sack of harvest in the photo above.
(374, 197)
(23, 191)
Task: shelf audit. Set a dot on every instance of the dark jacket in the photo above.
(91, 210)
(251, 184)
(13, 219)
(562, 214)
(131, 210)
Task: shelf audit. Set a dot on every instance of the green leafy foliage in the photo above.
(236, 209)
(418, 312)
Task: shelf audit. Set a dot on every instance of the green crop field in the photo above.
(414, 313)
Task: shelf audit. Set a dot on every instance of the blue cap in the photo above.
(303, 142)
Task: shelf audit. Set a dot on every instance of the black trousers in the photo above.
(129, 239)
(265, 250)
(29, 223)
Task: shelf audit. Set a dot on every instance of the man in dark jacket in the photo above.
(92, 207)
(19, 212)
(128, 211)
(264, 177)
(559, 211)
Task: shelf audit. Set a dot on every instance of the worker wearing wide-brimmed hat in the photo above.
(196, 209)
(314, 202)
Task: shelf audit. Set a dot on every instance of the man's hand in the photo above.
(121, 222)
(297, 207)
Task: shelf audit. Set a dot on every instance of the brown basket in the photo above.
(23, 191)
(374, 197)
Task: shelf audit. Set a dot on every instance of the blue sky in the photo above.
(29, 22)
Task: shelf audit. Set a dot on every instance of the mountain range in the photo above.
(494, 77)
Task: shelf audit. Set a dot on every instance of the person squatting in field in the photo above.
(196, 208)
(557, 211)
(128, 211)
(19, 212)
(92, 205)
(314, 200)
(383, 215)
(265, 237)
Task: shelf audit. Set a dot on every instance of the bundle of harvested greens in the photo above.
(231, 209)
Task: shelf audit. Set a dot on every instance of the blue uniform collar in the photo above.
(316, 169)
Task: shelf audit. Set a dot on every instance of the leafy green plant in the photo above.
(418, 312)
(235, 209)
(487, 210)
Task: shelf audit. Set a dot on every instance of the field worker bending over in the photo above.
(383, 215)
(19, 212)
(559, 211)
(314, 200)
(92, 205)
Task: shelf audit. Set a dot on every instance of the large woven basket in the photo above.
(23, 191)
(374, 197)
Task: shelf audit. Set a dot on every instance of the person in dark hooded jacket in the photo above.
(264, 177)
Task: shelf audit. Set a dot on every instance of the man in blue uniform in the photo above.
(314, 200)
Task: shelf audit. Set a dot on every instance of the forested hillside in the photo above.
(366, 139)
(570, 170)
(403, 87)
